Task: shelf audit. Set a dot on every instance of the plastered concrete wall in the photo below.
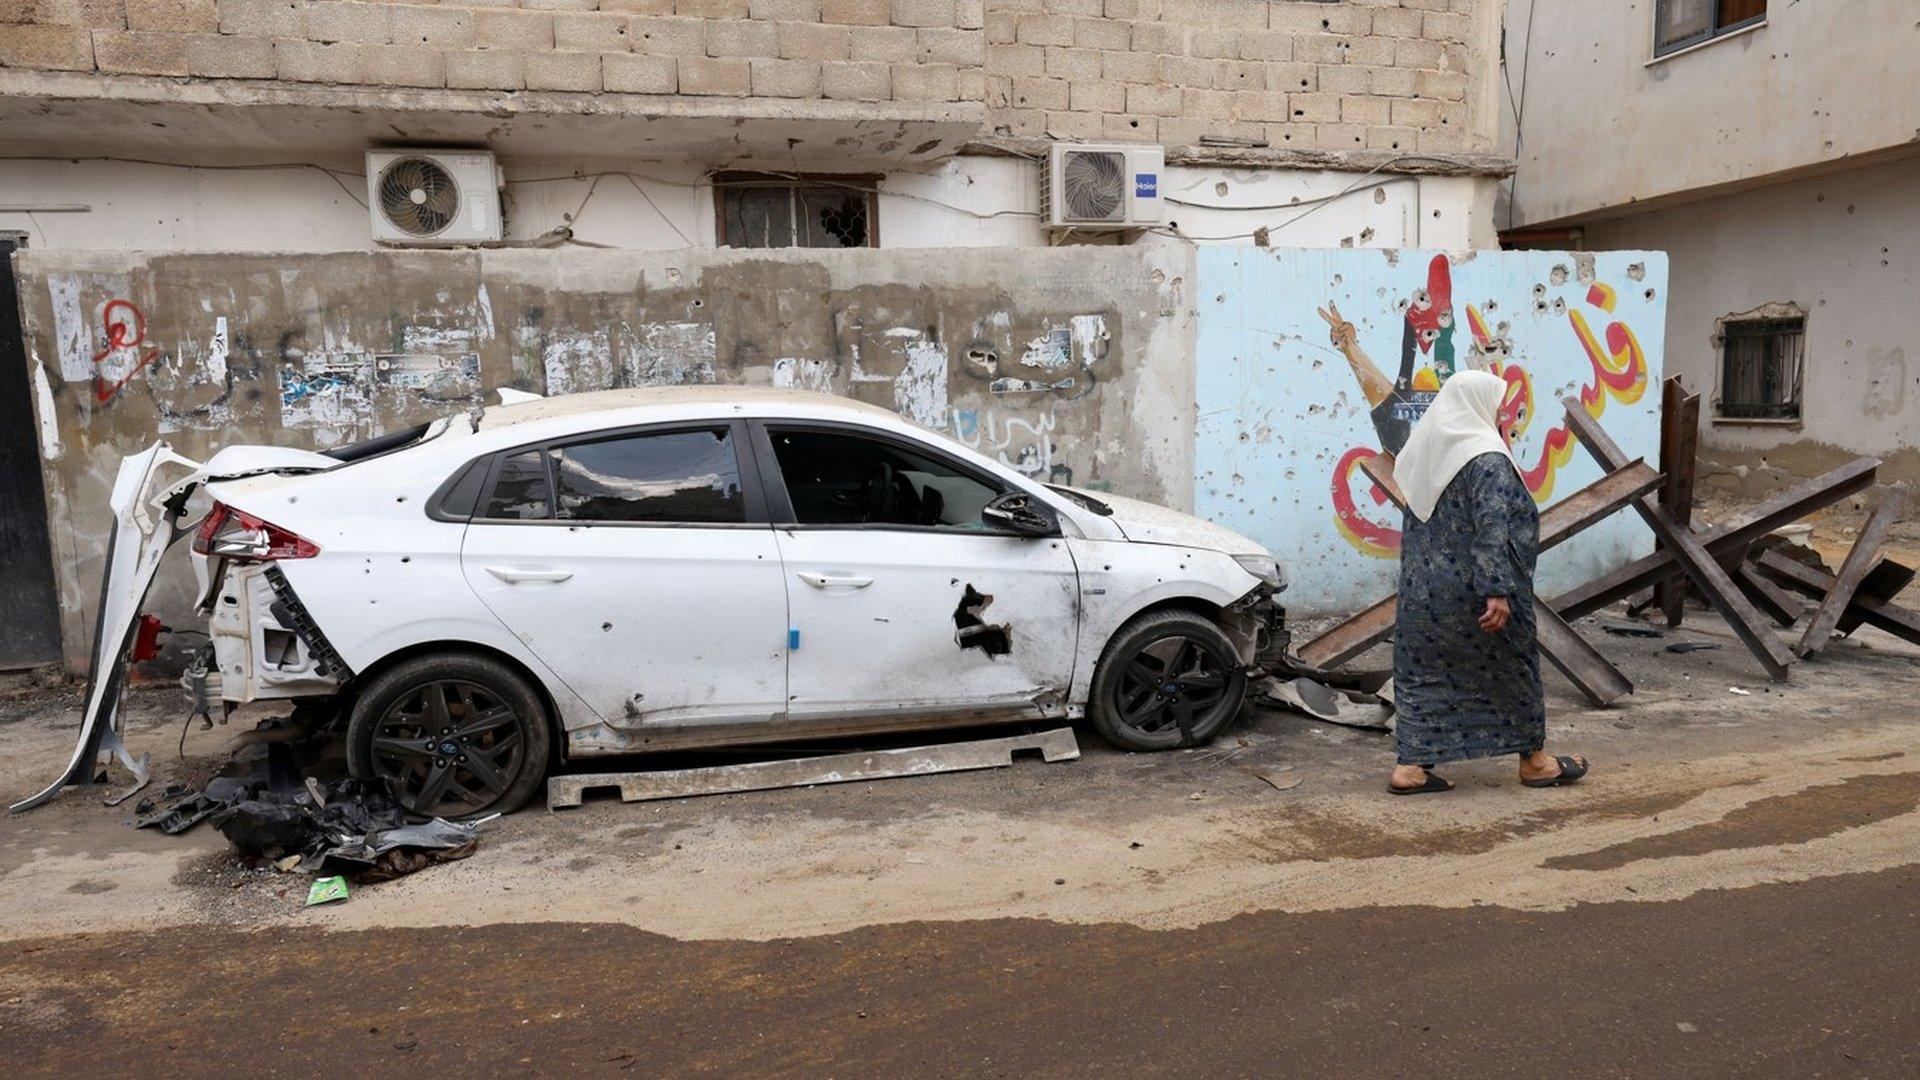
(1605, 125)
(1074, 365)
(1313, 360)
(1846, 250)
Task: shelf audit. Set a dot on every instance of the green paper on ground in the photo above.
(326, 890)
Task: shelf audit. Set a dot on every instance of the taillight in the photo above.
(238, 535)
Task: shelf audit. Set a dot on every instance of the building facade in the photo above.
(189, 181)
(615, 119)
(1769, 148)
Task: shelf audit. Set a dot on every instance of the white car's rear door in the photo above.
(901, 600)
(638, 565)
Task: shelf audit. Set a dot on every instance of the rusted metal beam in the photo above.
(1860, 558)
(1901, 622)
(1687, 549)
(1737, 533)
(1883, 583)
(1679, 453)
(1776, 602)
(1352, 637)
(1576, 658)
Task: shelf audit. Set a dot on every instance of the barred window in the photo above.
(769, 210)
(1760, 364)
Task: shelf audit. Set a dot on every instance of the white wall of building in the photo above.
(970, 201)
(1605, 124)
(1846, 248)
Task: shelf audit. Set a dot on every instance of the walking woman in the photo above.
(1466, 668)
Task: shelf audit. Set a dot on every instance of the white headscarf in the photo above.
(1460, 425)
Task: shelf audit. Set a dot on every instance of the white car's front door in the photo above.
(901, 599)
(640, 568)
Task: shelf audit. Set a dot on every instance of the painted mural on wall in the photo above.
(1052, 365)
(1311, 361)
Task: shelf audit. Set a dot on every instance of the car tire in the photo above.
(1167, 679)
(483, 749)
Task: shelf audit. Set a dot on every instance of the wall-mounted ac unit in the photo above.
(428, 198)
(1089, 186)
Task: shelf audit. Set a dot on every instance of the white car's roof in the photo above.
(754, 399)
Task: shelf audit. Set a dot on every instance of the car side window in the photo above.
(837, 478)
(670, 477)
(519, 488)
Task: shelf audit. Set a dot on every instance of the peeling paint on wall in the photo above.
(320, 350)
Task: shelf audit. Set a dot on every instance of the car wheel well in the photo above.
(1210, 612)
(361, 679)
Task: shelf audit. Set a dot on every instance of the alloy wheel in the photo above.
(451, 747)
(1171, 683)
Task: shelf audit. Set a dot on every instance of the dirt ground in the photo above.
(1731, 892)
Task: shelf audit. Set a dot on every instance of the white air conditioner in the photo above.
(1102, 186)
(427, 198)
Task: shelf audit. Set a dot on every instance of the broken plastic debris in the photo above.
(1737, 690)
(326, 890)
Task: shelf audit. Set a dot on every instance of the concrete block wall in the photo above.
(1366, 75)
(1354, 75)
(857, 50)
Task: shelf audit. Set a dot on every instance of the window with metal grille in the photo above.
(1760, 362)
(1681, 24)
(761, 210)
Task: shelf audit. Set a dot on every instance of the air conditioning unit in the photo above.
(1099, 186)
(430, 198)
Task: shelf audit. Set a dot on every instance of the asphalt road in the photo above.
(1810, 979)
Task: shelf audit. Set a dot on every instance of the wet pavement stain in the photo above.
(1819, 811)
(1304, 833)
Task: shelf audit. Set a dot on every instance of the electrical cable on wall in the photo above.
(564, 233)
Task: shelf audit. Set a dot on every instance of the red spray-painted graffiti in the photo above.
(127, 351)
(1619, 372)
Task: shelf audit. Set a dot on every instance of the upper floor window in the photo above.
(1679, 24)
(762, 210)
(1760, 362)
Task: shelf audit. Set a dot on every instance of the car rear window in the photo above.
(520, 488)
(673, 477)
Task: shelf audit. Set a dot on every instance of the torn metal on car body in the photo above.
(150, 516)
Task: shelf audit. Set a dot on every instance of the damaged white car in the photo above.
(482, 598)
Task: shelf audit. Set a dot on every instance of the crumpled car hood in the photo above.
(1148, 523)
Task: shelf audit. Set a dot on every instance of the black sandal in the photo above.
(1434, 783)
(1570, 770)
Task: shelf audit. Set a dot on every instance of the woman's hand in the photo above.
(1494, 619)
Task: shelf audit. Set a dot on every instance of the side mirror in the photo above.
(1019, 512)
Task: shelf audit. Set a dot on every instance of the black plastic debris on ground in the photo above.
(268, 811)
(1690, 646)
(350, 826)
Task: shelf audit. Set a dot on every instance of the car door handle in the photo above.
(514, 575)
(828, 581)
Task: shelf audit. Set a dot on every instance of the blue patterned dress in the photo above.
(1460, 691)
